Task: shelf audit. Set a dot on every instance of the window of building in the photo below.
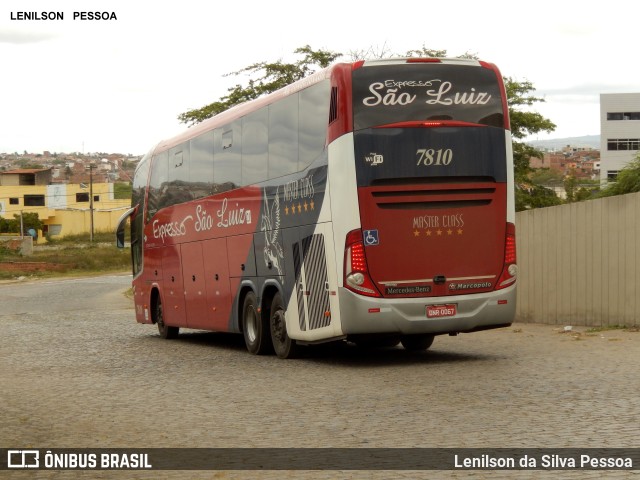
(623, 115)
(623, 144)
(34, 200)
(82, 197)
(14, 201)
(612, 175)
(55, 229)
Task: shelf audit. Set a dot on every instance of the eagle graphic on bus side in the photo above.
(270, 225)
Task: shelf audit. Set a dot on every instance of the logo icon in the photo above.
(371, 237)
(374, 159)
(23, 459)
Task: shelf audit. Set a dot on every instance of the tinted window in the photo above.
(201, 165)
(384, 154)
(137, 199)
(177, 188)
(425, 91)
(255, 144)
(283, 137)
(157, 182)
(314, 119)
(227, 155)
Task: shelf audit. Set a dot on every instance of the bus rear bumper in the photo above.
(362, 315)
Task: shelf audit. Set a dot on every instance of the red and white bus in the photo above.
(372, 201)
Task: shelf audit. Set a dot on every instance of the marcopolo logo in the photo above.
(23, 459)
(469, 286)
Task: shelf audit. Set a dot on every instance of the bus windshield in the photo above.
(388, 94)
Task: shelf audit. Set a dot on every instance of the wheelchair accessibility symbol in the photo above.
(371, 237)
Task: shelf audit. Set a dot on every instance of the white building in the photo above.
(619, 132)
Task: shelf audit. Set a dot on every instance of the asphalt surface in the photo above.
(77, 371)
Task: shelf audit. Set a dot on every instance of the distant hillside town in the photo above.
(68, 168)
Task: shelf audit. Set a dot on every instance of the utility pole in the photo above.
(91, 167)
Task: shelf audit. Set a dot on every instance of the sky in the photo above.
(118, 86)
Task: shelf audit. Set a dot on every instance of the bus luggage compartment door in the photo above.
(315, 284)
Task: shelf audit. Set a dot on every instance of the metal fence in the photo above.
(580, 263)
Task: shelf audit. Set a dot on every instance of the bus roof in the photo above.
(242, 109)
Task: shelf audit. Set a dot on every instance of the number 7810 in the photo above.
(430, 156)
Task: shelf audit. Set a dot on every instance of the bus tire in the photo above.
(284, 345)
(165, 330)
(417, 343)
(254, 328)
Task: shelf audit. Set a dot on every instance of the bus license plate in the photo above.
(436, 311)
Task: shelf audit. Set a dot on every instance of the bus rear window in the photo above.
(388, 94)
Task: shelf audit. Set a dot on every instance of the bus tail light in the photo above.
(510, 269)
(356, 273)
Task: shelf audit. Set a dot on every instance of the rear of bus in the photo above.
(434, 251)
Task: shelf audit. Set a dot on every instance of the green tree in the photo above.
(628, 180)
(272, 76)
(524, 123)
(571, 187)
(29, 220)
(535, 196)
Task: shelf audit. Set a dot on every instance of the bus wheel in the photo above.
(416, 343)
(165, 330)
(284, 346)
(254, 328)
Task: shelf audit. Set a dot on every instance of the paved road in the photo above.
(78, 372)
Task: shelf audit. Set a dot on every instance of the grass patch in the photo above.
(122, 191)
(68, 259)
(82, 239)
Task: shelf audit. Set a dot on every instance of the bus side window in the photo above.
(255, 144)
(157, 182)
(177, 189)
(314, 121)
(227, 160)
(283, 137)
(201, 165)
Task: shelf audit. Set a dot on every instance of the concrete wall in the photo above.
(22, 244)
(580, 263)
